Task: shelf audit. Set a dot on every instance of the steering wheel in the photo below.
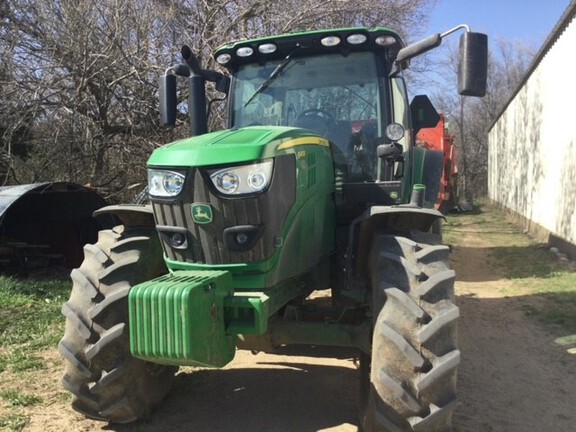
(316, 119)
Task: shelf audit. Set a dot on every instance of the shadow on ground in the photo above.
(289, 397)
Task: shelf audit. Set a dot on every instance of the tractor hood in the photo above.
(231, 146)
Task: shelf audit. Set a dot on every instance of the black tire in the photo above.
(409, 383)
(107, 383)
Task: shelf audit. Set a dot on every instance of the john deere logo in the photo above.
(202, 213)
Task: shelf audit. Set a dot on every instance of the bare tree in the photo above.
(83, 78)
(79, 77)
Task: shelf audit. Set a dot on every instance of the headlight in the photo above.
(243, 179)
(163, 183)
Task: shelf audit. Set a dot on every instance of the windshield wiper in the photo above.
(275, 73)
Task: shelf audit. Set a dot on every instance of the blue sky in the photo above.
(527, 21)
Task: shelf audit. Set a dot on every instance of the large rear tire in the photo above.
(107, 383)
(409, 382)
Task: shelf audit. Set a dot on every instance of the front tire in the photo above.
(106, 382)
(410, 382)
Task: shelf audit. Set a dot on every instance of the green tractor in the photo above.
(314, 191)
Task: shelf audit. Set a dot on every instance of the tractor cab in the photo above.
(336, 85)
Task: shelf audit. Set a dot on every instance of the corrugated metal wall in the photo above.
(532, 145)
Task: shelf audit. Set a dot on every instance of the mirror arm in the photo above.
(420, 47)
(455, 29)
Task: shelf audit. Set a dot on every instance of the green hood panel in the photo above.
(223, 147)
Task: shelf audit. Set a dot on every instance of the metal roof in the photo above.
(10, 194)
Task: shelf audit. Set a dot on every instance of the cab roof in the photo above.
(343, 40)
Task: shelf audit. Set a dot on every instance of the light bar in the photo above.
(330, 41)
(267, 48)
(356, 39)
(244, 51)
(223, 58)
(385, 40)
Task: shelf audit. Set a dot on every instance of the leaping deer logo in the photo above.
(202, 213)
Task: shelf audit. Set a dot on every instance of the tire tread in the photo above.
(414, 355)
(106, 381)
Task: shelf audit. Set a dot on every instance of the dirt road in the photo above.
(513, 378)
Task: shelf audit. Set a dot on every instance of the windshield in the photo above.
(334, 95)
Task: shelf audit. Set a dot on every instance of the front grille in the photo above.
(205, 242)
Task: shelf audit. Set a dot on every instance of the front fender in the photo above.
(401, 218)
(129, 214)
(379, 219)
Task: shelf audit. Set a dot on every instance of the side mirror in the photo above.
(392, 154)
(168, 100)
(389, 151)
(473, 64)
